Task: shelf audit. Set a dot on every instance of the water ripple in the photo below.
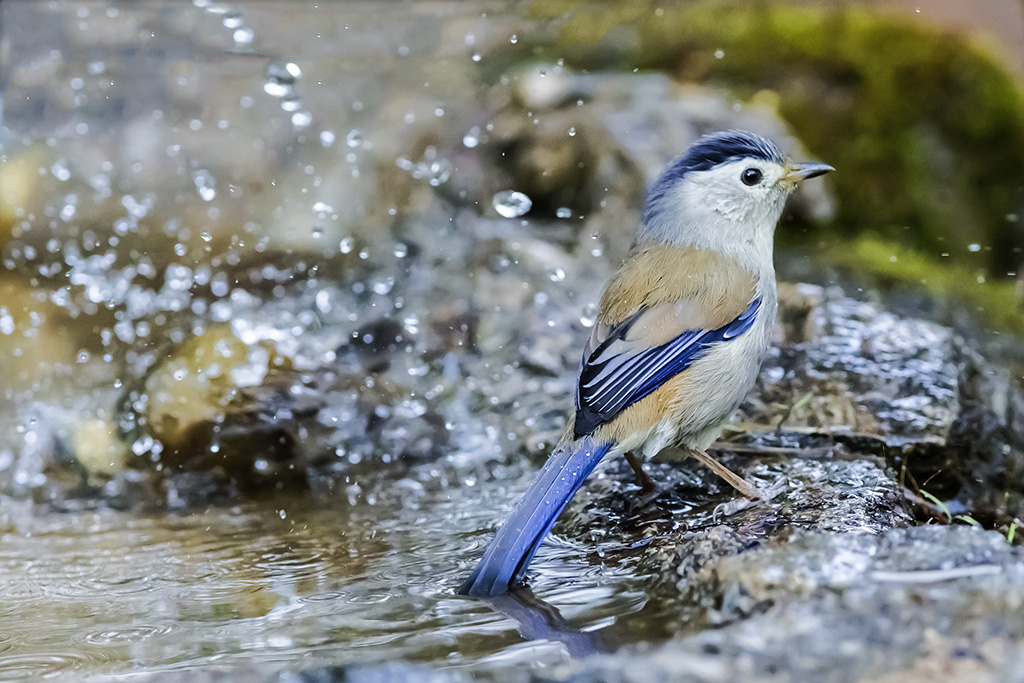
(123, 635)
(32, 666)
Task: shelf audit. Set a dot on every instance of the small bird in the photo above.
(679, 338)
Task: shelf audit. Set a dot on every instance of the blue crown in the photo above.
(708, 152)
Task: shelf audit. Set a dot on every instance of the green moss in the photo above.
(994, 301)
(926, 130)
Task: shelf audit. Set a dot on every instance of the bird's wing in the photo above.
(625, 366)
(660, 313)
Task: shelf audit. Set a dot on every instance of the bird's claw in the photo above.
(647, 495)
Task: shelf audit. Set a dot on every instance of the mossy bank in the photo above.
(925, 126)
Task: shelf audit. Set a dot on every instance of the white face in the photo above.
(731, 207)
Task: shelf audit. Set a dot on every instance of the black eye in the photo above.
(751, 177)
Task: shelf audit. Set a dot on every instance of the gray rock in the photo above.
(850, 607)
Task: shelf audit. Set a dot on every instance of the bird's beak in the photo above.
(804, 171)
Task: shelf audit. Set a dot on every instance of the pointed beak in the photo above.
(807, 170)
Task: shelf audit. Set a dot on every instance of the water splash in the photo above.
(511, 204)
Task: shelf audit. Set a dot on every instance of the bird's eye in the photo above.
(751, 177)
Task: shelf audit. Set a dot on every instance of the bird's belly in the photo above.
(698, 401)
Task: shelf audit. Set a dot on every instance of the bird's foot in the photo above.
(736, 481)
(646, 497)
(647, 485)
(649, 489)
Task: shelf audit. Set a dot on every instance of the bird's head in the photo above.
(726, 193)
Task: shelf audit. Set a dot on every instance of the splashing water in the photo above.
(511, 204)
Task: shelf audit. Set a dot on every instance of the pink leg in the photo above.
(735, 480)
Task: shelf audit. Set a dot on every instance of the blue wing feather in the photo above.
(608, 384)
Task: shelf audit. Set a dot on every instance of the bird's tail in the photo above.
(507, 555)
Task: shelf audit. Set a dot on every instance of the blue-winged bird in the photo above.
(682, 329)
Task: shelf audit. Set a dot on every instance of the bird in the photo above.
(681, 331)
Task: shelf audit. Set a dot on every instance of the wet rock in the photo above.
(218, 402)
(848, 607)
(20, 187)
(200, 378)
(377, 341)
(848, 368)
(911, 391)
(697, 520)
(242, 407)
(36, 353)
(986, 454)
(97, 447)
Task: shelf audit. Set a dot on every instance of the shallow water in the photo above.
(291, 583)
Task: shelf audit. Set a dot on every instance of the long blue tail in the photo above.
(506, 557)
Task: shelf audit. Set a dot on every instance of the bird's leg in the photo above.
(735, 480)
(647, 484)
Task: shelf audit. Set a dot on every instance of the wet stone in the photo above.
(849, 607)
(848, 368)
(940, 408)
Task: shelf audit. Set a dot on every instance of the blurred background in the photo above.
(292, 295)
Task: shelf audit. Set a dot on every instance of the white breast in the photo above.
(717, 384)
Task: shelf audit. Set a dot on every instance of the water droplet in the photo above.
(205, 184)
(281, 78)
(142, 445)
(401, 250)
(476, 57)
(243, 36)
(346, 245)
(354, 138)
(973, 247)
(572, 131)
(589, 315)
(321, 207)
(719, 54)
(472, 138)
(563, 212)
(232, 19)
(302, 119)
(558, 275)
(513, 39)
(438, 172)
(60, 171)
(509, 203)
(326, 138)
